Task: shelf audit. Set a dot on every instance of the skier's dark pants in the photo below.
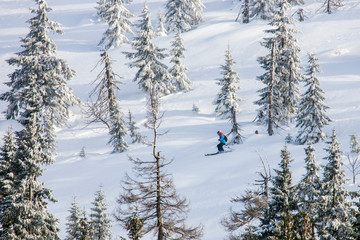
(220, 147)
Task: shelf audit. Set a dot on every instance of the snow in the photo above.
(207, 182)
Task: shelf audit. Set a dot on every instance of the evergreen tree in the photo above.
(181, 81)
(151, 72)
(263, 9)
(329, 5)
(155, 195)
(133, 129)
(356, 223)
(7, 184)
(117, 17)
(281, 203)
(279, 98)
(102, 7)
(296, 2)
(289, 68)
(74, 228)
(105, 108)
(246, 11)
(335, 217)
(311, 117)
(27, 216)
(308, 191)
(99, 217)
(270, 103)
(117, 130)
(134, 226)
(39, 82)
(183, 15)
(227, 100)
(160, 28)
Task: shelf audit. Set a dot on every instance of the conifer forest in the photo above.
(111, 113)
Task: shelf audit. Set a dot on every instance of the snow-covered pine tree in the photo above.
(74, 226)
(160, 28)
(245, 10)
(280, 224)
(151, 72)
(289, 68)
(100, 219)
(296, 2)
(101, 9)
(335, 211)
(27, 216)
(117, 130)
(262, 9)
(117, 17)
(154, 195)
(311, 116)
(307, 195)
(39, 82)
(105, 108)
(227, 100)
(270, 103)
(329, 5)
(183, 15)
(133, 129)
(134, 226)
(7, 184)
(180, 79)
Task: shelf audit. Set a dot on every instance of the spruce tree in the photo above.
(133, 129)
(183, 15)
(227, 100)
(329, 5)
(101, 8)
(282, 204)
(100, 219)
(160, 28)
(311, 116)
(154, 195)
(289, 68)
(73, 225)
(28, 217)
(279, 99)
(335, 212)
(151, 72)
(39, 82)
(307, 195)
(7, 184)
(134, 226)
(117, 17)
(105, 108)
(262, 9)
(270, 103)
(180, 79)
(296, 2)
(78, 227)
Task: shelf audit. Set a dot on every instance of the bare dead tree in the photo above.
(152, 192)
(354, 157)
(254, 202)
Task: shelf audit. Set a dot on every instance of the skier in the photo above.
(222, 139)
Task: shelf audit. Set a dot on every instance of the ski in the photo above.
(211, 154)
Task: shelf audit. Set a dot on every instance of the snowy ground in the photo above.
(208, 182)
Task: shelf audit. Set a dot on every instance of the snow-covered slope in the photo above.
(208, 182)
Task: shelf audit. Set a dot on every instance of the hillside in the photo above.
(207, 182)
